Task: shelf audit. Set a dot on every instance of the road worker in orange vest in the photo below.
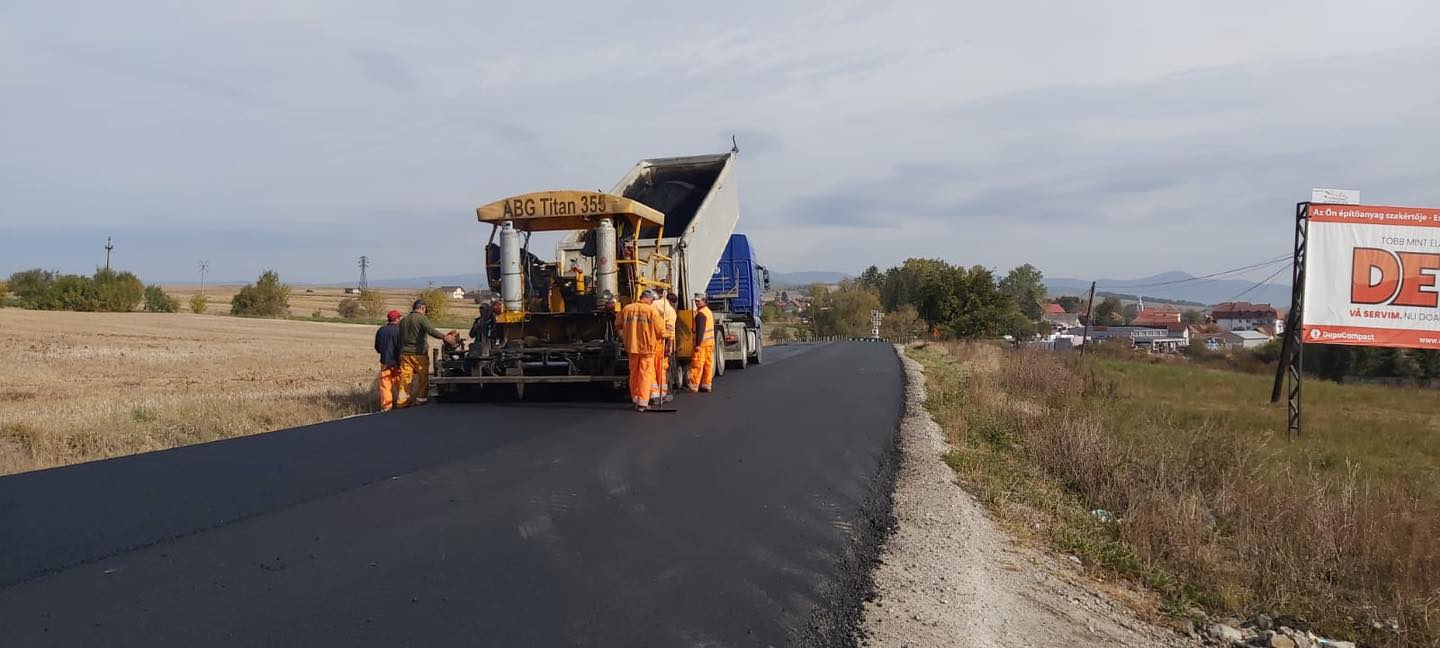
(665, 306)
(702, 362)
(643, 332)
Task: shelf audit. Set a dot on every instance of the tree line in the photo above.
(106, 291)
(932, 297)
(121, 291)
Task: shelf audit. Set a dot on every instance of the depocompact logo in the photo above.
(1320, 335)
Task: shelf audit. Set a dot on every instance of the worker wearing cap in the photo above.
(642, 331)
(415, 355)
(702, 362)
(666, 309)
(387, 344)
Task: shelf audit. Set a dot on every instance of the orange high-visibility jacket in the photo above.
(667, 317)
(705, 327)
(642, 329)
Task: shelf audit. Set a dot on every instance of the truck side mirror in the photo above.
(765, 272)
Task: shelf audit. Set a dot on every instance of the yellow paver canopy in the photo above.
(548, 211)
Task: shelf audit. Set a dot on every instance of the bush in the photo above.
(372, 304)
(198, 303)
(4, 293)
(438, 301)
(158, 301)
(70, 292)
(348, 308)
(119, 292)
(267, 297)
(30, 286)
(1268, 352)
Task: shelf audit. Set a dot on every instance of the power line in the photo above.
(1210, 276)
(1257, 285)
(364, 264)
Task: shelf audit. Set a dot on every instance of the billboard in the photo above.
(1371, 276)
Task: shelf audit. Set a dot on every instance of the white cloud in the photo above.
(1106, 138)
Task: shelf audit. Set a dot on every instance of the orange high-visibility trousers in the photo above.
(389, 379)
(662, 374)
(642, 379)
(702, 366)
(414, 378)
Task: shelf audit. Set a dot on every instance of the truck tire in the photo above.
(744, 351)
(759, 353)
(719, 360)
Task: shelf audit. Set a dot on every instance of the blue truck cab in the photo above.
(734, 295)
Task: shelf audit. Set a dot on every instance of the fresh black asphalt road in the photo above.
(746, 518)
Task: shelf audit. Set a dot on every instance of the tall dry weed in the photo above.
(1212, 516)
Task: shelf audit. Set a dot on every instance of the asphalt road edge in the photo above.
(836, 620)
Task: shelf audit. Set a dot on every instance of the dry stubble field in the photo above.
(85, 386)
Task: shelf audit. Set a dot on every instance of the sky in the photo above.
(1095, 139)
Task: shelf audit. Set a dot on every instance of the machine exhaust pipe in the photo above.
(606, 279)
(511, 291)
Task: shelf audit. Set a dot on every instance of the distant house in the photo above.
(455, 292)
(349, 291)
(793, 304)
(1245, 316)
(1138, 336)
(1245, 339)
(1056, 315)
(1157, 317)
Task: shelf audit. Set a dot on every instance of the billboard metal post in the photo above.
(1292, 345)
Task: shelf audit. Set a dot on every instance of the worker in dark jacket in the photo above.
(415, 329)
(387, 344)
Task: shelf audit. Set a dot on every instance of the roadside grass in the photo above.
(1201, 498)
(87, 386)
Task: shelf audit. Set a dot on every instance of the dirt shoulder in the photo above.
(949, 576)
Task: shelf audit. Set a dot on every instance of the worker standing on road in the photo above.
(702, 362)
(387, 344)
(415, 355)
(642, 331)
(662, 363)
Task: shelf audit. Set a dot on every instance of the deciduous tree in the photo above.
(267, 297)
(1026, 285)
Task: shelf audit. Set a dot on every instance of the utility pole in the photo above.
(204, 267)
(364, 263)
(1089, 315)
(108, 247)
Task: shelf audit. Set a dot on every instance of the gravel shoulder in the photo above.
(949, 576)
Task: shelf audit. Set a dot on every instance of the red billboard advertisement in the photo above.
(1371, 276)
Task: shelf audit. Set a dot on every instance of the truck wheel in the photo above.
(744, 352)
(719, 360)
(759, 353)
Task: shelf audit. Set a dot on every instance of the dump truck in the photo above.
(666, 224)
(734, 295)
